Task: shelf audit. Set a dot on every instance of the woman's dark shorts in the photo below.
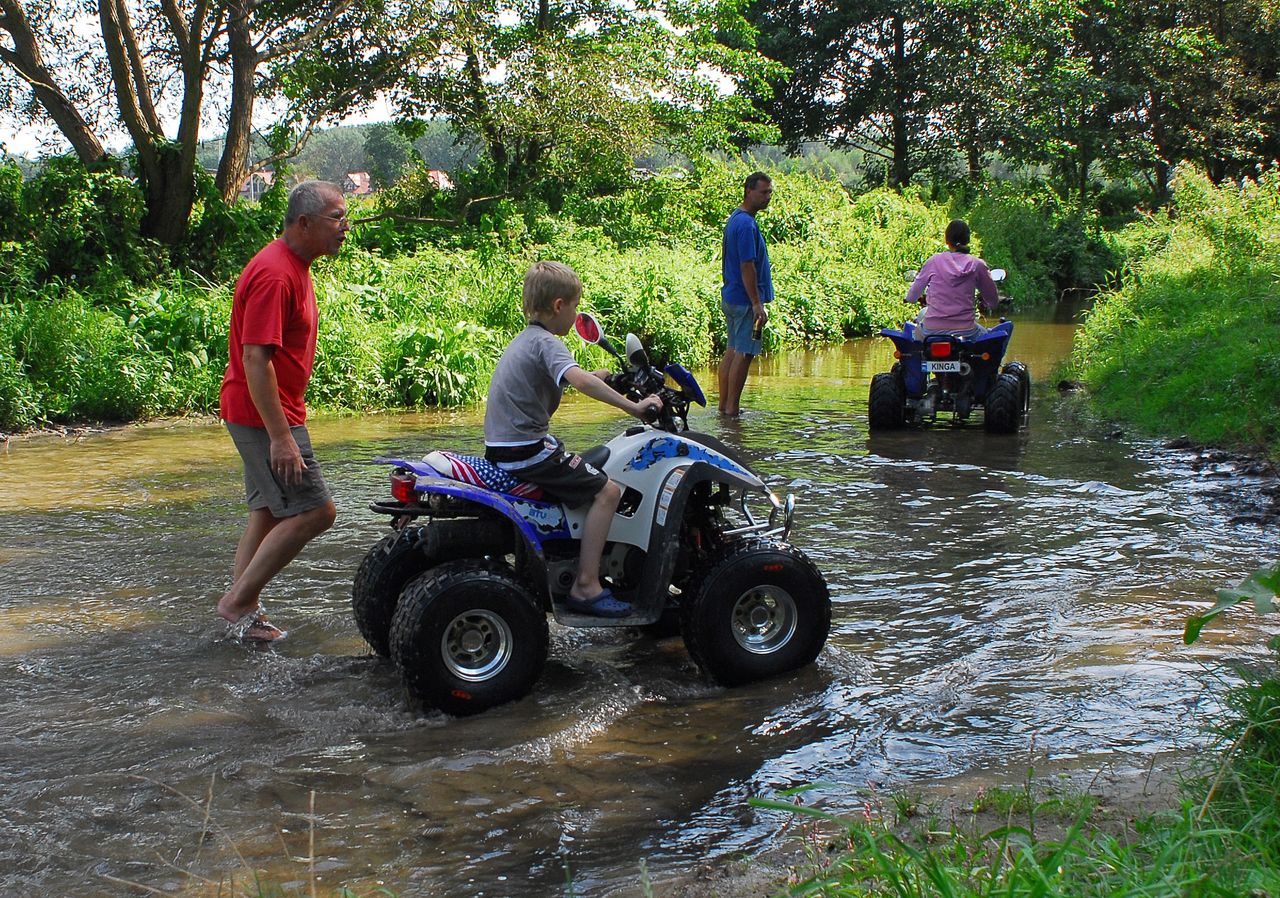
(261, 488)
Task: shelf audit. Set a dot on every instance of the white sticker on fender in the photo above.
(668, 493)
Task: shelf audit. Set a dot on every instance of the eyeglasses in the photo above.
(339, 219)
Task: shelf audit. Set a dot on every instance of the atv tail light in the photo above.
(402, 483)
(986, 356)
(939, 349)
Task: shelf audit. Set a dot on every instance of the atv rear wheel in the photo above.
(761, 608)
(395, 560)
(467, 636)
(887, 402)
(1004, 405)
(1020, 371)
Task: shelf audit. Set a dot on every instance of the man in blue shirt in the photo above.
(748, 285)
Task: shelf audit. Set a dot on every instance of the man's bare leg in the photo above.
(735, 380)
(277, 545)
(261, 522)
(722, 376)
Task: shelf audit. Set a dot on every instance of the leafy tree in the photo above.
(388, 151)
(906, 83)
(571, 91)
(152, 69)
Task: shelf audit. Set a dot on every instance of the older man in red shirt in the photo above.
(271, 349)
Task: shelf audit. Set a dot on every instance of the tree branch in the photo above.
(317, 28)
(26, 60)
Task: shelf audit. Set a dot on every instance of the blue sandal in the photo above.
(605, 604)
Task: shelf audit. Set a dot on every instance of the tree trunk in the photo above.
(233, 168)
(25, 59)
(901, 164)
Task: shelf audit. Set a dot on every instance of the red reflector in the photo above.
(402, 487)
(458, 693)
(897, 353)
(986, 356)
(938, 350)
(771, 567)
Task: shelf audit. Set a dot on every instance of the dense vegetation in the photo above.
(1189, 344)
(94, 324)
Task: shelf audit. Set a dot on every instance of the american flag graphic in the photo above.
(481, 472)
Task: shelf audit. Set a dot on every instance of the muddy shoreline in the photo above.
(1123, 791)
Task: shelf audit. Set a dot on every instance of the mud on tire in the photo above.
(761, 608)
(467, 636)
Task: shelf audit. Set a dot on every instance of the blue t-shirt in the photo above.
(743, 243)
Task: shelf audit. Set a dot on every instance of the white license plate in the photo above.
(942, 367)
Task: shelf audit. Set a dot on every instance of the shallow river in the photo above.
(993, 596)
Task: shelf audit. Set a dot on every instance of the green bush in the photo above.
(222, 237)
(85, 225)
(1188, 346)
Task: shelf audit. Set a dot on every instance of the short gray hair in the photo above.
(310, 198)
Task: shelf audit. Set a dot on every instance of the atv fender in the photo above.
(660, 562)
(430, 482)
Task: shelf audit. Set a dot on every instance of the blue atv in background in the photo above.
(946, 373)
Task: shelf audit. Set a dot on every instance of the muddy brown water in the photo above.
(990, 593)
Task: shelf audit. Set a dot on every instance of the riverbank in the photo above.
(420, 322)
(1186, 346)
(1174, 825)
(1046, 800)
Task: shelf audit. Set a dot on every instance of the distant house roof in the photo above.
(256, 184)
(440, 179)
(357, 183)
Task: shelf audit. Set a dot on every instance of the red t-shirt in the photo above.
(274, 305)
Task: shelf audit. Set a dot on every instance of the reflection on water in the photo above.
(988, 591)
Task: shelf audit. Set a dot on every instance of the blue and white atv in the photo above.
(459, 593)
(953, 374)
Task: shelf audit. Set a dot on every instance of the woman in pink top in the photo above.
(951, 279)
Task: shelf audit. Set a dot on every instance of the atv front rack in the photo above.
(784, 508)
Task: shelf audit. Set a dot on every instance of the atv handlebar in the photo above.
(641, 382)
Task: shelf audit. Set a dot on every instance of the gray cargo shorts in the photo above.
(262, 489)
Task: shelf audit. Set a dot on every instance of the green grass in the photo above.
(425, 326)
(1190, 345)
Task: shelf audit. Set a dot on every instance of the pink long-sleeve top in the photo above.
(951, 279)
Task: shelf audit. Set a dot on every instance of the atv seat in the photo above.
(481, 472)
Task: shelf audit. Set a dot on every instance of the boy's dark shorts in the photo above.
(566, 476)
(261, 488)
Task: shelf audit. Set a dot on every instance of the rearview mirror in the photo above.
(587, 327)
(589, 330)
(635, 352)
(997, 274)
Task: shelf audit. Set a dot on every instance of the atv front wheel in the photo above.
(1004, 405)
(467, 636)
(887, 402)
(760, 609)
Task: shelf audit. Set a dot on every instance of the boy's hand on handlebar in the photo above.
(647, 408)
